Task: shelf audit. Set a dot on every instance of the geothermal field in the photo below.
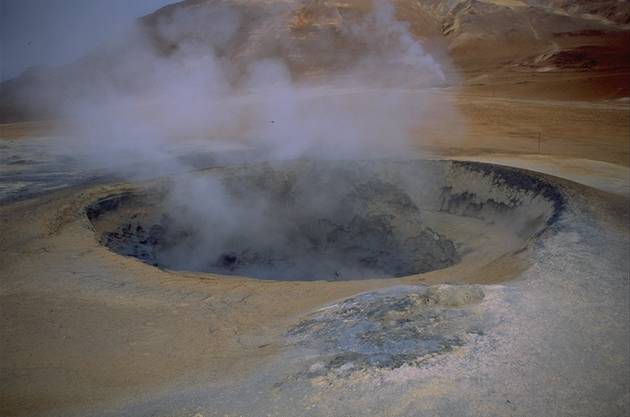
(315, 208)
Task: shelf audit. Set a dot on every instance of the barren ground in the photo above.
(71, 306)
(86, 331)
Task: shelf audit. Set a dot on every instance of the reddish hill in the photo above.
(536, 48)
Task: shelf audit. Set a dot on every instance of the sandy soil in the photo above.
(172, 341)
(88, 332)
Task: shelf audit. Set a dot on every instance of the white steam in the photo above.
(194, 87)
(149, 100)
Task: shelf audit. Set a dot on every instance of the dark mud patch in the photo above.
(373, 230)
(334, 220)
(390, 328)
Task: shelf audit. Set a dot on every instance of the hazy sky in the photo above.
(35, 32)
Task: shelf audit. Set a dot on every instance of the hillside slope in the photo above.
(537, 48)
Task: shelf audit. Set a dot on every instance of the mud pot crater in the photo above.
(333, 220)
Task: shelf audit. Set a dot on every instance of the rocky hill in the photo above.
(547, 48)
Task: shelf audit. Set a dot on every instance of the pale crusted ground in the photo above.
(85, 327)
(88, 332)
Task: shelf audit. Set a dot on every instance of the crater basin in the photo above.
(328, 220)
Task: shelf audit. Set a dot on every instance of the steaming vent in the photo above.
(319, 220)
